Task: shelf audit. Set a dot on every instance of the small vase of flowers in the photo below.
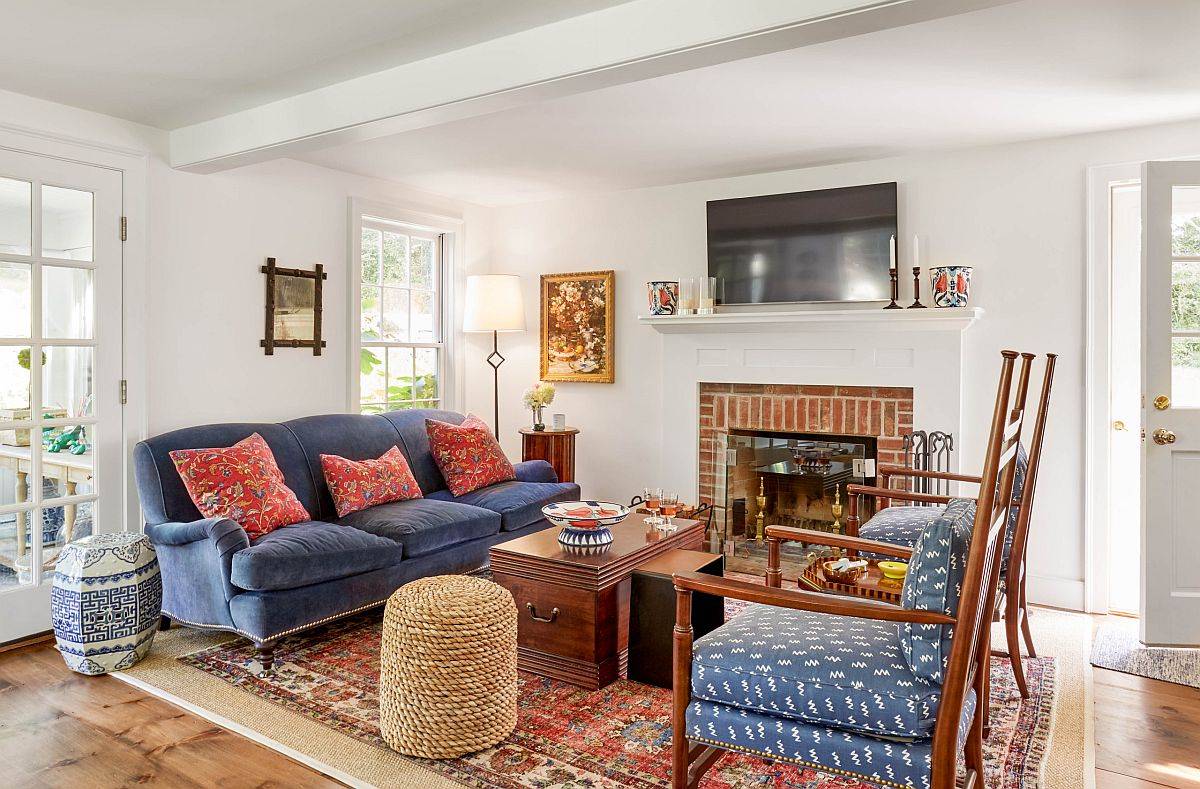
(536, 399)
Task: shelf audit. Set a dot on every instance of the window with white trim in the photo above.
(402, 348)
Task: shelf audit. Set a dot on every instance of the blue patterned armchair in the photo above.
(903, 525)
(854, 687)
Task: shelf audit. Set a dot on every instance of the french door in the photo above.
(61, 467)
(1171, 411)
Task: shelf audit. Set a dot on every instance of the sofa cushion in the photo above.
(468, 455)
(358, 484)
(934, 583)
(351, 436)
(410, 425)
(830, 670)
(518, 503)
(309, 553)
(242, 483)
(425, 525)
(161, 491)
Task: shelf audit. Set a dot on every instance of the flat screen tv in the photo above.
(827, 245)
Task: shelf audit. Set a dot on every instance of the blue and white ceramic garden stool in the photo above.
(106, 601)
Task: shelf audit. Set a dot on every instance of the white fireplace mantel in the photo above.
(931, 319)
(921, 349)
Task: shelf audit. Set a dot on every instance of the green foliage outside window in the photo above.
(1185, 292)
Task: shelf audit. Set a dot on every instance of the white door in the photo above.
(1171, 412)
(60, 371)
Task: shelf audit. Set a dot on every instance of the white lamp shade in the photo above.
(494, 303)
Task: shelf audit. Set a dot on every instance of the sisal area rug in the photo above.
(615, 737)
(1116, 647)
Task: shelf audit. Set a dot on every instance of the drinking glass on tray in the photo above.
(670, 506)
(653, 497)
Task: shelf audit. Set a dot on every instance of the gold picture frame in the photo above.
(577, 327)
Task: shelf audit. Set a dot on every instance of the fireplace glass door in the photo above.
(786, 479)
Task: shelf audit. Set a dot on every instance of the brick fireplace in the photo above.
(883, 413)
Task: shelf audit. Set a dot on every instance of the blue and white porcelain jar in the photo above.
(106, 601)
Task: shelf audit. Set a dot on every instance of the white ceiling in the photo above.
(1037, 68)
(168, 63)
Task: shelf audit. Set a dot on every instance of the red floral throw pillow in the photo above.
(468, 455)
(358, 484)
(242, 483)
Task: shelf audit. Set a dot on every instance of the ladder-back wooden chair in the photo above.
(851, 686)
(902, 525)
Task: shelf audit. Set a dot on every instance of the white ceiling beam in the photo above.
(625, 43)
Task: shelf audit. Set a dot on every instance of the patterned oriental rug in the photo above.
(618, 736)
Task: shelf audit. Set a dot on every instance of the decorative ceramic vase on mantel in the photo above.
(951, 285)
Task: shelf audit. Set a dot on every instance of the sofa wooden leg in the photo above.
(265, 653)
(164, 622)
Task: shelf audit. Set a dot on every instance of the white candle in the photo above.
(892, 248)
(916, 250)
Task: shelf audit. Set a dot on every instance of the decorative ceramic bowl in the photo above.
(895, 570)
(850, 576)
(585, 524)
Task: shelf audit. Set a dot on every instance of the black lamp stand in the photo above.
(495, 360)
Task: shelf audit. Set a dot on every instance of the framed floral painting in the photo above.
(577, 327)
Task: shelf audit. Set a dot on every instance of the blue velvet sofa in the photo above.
(310, 573)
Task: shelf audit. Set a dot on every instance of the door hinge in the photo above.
(124, 391)
(124, 229)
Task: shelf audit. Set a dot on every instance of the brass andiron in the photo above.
(836, 509)
(762, 506)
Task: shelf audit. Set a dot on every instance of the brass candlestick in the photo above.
(916, 305)
(836, 508)
(761, 499)
(895, 277)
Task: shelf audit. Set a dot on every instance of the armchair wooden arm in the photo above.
(799, 600)
(889, 470)
(777, 534)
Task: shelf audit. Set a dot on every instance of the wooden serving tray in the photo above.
(872, 585)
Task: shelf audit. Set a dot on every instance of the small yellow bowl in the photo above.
(895, 570)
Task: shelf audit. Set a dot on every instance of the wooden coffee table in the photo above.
(573, 604)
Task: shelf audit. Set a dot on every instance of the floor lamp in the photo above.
(494, 304)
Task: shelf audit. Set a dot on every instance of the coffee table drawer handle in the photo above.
(536, 618)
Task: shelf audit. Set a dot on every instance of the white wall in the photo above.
(1016, 213)
(211, 234)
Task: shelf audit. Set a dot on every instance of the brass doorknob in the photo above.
(1163, 436)
(1162, 402)
(1119, 425)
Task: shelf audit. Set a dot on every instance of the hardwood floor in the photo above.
(61, 729)
(1147, 732)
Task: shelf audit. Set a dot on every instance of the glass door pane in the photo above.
(57, 383)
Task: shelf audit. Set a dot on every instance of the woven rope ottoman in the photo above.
(448, 667)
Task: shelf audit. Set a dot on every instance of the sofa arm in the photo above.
(535, 471)
(196, 561)
(224, 534)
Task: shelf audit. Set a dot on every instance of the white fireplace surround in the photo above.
(922, 349)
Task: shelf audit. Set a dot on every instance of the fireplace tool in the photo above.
(929, 451)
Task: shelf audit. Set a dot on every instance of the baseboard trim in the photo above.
(244, 731)
(1064, 593)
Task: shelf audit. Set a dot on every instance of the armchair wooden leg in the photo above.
(1023, 610)
(1012, 613)
(681, 671)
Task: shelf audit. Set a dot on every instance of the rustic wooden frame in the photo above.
(969, 651)
(318, 275)
(609, 374)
